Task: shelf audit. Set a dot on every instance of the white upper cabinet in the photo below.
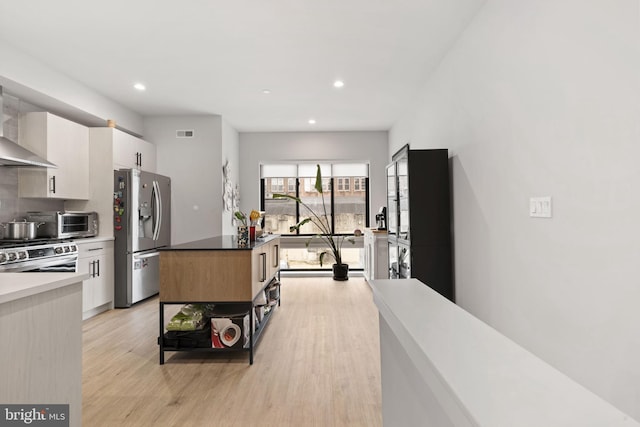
(65, 144)
(130, 152)
(109, 147)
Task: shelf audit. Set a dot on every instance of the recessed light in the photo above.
(139, 86)
(266, 91)
(338, 83)
(312, 121)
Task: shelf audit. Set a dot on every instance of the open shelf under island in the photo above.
(216, 271)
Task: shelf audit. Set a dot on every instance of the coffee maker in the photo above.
(381, 218)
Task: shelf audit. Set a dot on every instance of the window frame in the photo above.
(329, 189)
(278, 186)
(344, 184)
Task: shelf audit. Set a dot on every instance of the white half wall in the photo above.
(261, 147)
(543, 99)
(195, 167)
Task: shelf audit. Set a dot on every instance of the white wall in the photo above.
(230, 152)
(195, 167)
(36, 82)
(543, 99)
(262, 147)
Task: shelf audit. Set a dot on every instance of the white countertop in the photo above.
(486, 379)
(14, 286)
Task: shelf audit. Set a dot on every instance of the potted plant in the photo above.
(321, 221)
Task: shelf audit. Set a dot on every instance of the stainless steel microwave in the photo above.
(65, 224)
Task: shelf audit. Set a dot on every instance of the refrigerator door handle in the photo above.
(151, 255)
(157, 214)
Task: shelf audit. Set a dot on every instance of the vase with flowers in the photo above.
(254, 217)
(242, 229)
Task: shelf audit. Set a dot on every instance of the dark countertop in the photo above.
(219, 243)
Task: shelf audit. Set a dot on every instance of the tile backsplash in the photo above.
(11, 206)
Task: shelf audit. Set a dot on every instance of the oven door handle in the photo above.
(34, 265)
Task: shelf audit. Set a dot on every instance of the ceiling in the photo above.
(214, 57)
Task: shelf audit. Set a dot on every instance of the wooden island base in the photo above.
(217, 271)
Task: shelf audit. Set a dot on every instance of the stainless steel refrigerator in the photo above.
(142, 224)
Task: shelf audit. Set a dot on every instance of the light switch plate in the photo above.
(540, 207)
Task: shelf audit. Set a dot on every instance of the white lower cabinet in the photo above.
(376, 255)
(96, 259)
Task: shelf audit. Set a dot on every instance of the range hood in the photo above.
(14, 155)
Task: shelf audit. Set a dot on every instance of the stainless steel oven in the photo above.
(38, 256)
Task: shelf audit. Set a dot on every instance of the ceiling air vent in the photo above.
(184, 134)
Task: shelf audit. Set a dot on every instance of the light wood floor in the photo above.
(317, 364)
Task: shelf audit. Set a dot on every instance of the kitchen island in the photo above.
(41, 333)
(216, 271)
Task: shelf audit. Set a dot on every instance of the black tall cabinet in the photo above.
(419, 218)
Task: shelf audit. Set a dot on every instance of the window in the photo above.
(345, 193)
(281, 212)
(350, 207)
(277, 185)
(309, 185)
(300, 258)
(344, 184)
(312, 198)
